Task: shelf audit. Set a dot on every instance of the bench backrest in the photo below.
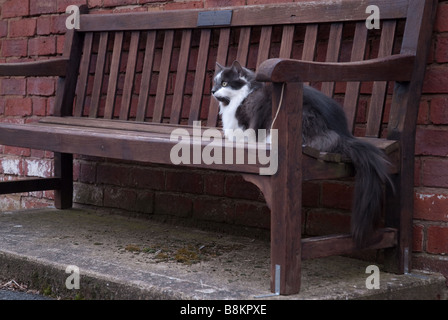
(159, 66)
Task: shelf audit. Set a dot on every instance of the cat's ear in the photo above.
(237, 66)
(219, 67)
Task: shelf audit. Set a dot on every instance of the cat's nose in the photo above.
(213, 91)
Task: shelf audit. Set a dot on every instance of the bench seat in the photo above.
(152, 143)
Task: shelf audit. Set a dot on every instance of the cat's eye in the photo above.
(224, 84)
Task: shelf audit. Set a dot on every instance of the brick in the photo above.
(120, 198)
(2, 105)
(223, 3)
(41, 86)
(87, 194)
(147, 178)
(322, 221)
(173, 204)
(423, 112)
(152, 1)
(42, 46)
(63, 4)
(436, 80)
(184, 181)
(87, 172)
(10, 203)
(431, 142)
(34, 203)
(437, 240)
(18, 107)
(417, 171)
(50, 106)
(14, 47)
(38, 167)
(39, 106)
(112, 174)
(144, 202)
(311, 194)
(214, 184)
(22, 28)
(439, 110)
(432, 263)
(114, 3)
(184, 5)
(58, 24)
(337, 195)
(253, 2)
(441, 24)
(43, 25)
(60, 42)
(95, 3)
(42, 6)
(431, 206)
(213, 209)
(3, 29)
(15, 8)
(252, 215)
(417, 232)
(13, 86)
(11, 166)
(48, 194)
(441, 53)
(236, 187)
(435, 172)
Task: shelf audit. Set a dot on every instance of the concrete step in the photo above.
(119, 257)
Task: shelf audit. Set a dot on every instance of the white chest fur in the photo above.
(229, 121)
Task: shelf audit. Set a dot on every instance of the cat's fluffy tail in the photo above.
(371, 172)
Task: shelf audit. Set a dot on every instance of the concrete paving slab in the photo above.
(120, 257)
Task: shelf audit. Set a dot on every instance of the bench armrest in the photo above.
(393, 68)
(44, 68)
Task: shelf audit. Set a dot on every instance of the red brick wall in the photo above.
(34, 29)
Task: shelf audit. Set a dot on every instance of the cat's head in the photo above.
(231, 82)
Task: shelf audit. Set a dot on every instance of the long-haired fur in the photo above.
(246, 104)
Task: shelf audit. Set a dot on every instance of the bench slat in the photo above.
(310, 43)
(159, 105)
(375, 116)
(265, 44)
(243, 45)
(145, 84)
(113, 76)
(352, 92)
(199, 78)
(287, 40)
(83, 74)
(323, 246)
(130, 75)
(182, 67)
(99, 75)
(116, 124)
(223, 47)
(333, 50)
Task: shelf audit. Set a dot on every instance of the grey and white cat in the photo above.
(245, 103)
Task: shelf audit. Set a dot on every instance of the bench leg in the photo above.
(286, 190)
(63, 169)
(399, 212)
(286, 240)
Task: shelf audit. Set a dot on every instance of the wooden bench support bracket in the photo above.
(29, 185)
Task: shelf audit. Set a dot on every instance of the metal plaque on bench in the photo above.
(214, 18)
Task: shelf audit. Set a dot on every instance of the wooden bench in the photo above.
(127, 80)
